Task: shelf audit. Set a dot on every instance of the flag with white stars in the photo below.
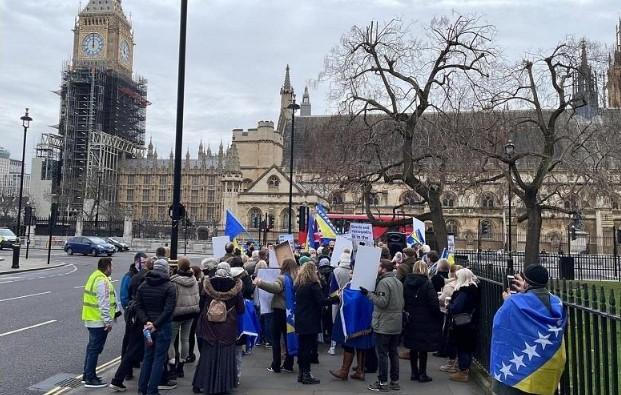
(527, 350)
(292, 338)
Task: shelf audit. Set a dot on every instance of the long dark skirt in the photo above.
(216, 372)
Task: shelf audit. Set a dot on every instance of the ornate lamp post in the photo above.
(26, 119)
(509, 151)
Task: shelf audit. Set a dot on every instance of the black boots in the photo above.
(414, 376)
(418, 362)
(307, 378)
(180, 369)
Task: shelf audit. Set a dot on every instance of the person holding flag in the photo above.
(283, 320)
(528, 350)
(233, 228)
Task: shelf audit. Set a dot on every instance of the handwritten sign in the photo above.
(361, 233)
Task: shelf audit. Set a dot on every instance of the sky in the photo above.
(237, 53)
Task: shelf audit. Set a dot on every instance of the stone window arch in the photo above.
(571, 203)
(452, 226)
(488, 201)
(486, 229)
(373, 199)
(337, 198)
(284, 219)
(254, 217)
(449, 199)
(273, 182)
(410, 198)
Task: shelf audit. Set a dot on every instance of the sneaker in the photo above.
(331, 351)
(95, 383)
(379, 387)
(394, 386)
(449, 367)
(271, 370)
(268, 346)
(84, 380)
(191, 358)
(118, 387)
(169, 385)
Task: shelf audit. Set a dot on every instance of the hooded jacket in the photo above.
(423, 329)
(227, 290)
(188, 297)
(156, 299)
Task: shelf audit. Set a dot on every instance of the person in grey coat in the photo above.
(387, 324)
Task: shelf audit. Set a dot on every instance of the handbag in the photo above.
(462, 319)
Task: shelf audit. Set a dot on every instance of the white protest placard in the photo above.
(361, 233)
(341, 244)
(418, 228)
(365, 270)
(273, 260)
(218, 243)
(451, 244)
(286, 237)
(265, 298)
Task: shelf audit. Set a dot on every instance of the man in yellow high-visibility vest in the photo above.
(99, 309)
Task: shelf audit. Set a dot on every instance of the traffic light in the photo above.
(485, 228)
(271, 221)
(302, 213)
(256, 221)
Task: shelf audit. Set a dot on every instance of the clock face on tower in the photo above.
(124, 50)
(92, 44)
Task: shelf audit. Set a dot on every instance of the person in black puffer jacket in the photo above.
(423, 329)
(155, 302)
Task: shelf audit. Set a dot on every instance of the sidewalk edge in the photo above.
(15, 271)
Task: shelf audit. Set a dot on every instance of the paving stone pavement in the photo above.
(257, 381)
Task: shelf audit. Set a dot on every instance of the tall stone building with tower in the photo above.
(614, 72)
(102, 111)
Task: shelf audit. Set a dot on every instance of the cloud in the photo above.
(237, 52)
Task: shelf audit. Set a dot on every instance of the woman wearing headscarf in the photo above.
(309, 300)
(216, 371)
(282, 285)
(339, 278)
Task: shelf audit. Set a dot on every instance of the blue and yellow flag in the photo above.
(528, 351)
(328, 231)
(233, 227)
(292, 338)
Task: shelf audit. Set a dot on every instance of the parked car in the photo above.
(7, 238)
(88, 245)
(119, 244)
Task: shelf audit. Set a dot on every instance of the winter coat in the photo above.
(309, 300)
(447, 291)
(188, 297)
(124, 289)
(229, 291)
(423, 329)
(156, 299)
(466, 300)
(325, 273)
(277, 288)
(135, 282)
(405, 267)
(387, 305)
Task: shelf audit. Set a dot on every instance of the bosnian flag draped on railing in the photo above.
(292, 338)
(527, 350)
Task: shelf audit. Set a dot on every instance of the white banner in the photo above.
(361, 233)
(341, 244)
(218, 244)
(451, 244)
(265, 298)
(365, 269)
(286, 237)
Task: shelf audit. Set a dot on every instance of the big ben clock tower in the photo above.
(102, 110)
(103, 36)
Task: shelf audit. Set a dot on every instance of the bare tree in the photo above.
(397, 91)
(562, 148)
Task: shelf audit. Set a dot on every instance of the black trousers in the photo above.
(193, 335)
(279, 329)
(134, 350)
(307, 345)
(387, 351)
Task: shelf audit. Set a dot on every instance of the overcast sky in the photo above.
(237, 52)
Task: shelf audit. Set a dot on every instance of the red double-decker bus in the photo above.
(341, 223)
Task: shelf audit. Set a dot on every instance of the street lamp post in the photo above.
(99, 173)
(176, 205)
(293, 107)
(26, 119)
(509, 151)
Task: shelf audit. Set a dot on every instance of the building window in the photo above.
(486, 229)
(210, 213)
(273, 182)
(145, 195)
(337, 198)
(194, 198)
(487, 201)
(451, 227)
(373, 199)
(211, 195)
(571, 203)
(254, 218)
(163, 180)
(162, 195)
(410, 198)
(284, 219)
(212, 180)
(448, 200)
(131, 179)
(147, 180)
(130, 195)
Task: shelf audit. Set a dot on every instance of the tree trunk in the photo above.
(533, 231)
(437, 218)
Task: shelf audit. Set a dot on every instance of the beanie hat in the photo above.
(304, 259)
(161, 265)
(345, 259)
(536, 275)
(324, 262)
(387, 265)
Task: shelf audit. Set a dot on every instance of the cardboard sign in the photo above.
(286, 237)
(265, 298)
(365, 270)
(341, 244)
(361, 233)
(273, 261)
(218, 244)
(283, 251)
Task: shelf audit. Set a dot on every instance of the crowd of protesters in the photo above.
(174, 312)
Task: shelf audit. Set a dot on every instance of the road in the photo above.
(41, 333)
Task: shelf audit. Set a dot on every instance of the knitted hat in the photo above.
(324, 262)
(345, 259)
(161, 265)
(223, 270)
(536, 275)
(209, 264)
(304, 259)
(387, 265)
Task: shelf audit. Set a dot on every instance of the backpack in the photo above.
(217, 311)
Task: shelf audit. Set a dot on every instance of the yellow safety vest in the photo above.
(90, 306)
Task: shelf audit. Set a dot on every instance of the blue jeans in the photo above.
(96, 340)
(154, 359)
(464, 359)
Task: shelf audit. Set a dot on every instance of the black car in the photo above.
(119, 244)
